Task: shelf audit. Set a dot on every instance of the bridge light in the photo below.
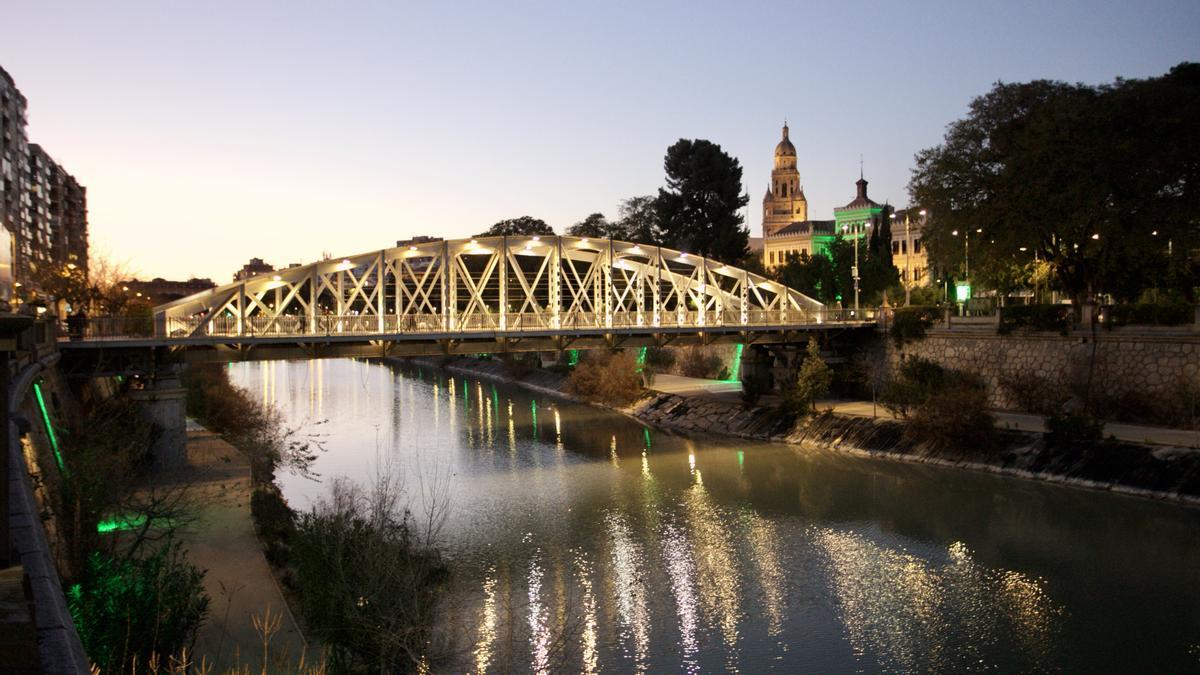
(276, 278)
(536, 238)
(636, 249)
(412, 248)
(1096, 236)
(584, 240)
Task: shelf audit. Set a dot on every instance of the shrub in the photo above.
(1073, 431)
(606, 377)
(252, 427)
(954, 418)
(812, 382)
(659, 359)
(369, 580)
(698, 362)
(1056, 318)
(272, 515)
(915, 381)
(910, 323)
(755, 383)
(1148, 314)
(128, 609)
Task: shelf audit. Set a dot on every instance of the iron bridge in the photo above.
(487, 294)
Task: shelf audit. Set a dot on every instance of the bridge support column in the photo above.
(163, 402)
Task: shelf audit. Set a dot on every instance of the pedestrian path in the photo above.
(239, 581)
(688, 386)
(1133, 433)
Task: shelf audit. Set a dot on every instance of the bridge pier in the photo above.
(163, 403)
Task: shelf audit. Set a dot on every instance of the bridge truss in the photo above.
(491, 285)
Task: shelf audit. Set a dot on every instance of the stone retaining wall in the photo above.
(1016, 367)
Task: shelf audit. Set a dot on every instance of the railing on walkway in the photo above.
(132, 328)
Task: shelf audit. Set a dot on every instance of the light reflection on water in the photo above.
(586, 542)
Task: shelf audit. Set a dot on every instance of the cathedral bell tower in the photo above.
(784, 202)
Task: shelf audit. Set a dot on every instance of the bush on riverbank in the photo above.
(699, 362)
(946, 409)
(129, 611)
(812, 382)
(255, 429)
(131, 592)
(369, 579)
(606, 377)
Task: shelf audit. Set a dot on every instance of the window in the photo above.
(895, 247)
(916, 245)
(904, 247)
(804, 251)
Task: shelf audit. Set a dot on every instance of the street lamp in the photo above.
(858, 236)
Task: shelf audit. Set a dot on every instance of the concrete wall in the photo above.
(1019, 367)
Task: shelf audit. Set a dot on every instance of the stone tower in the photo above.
(784, 202)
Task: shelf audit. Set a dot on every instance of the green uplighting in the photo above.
(735, 366)
(533, 407)
(37, 390)
(641, 359)
(646, 434)
(741, 457)
(115, 524)
(572, 357)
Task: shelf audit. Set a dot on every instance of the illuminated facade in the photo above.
(42, 206)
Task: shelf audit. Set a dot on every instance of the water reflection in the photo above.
(589, 542)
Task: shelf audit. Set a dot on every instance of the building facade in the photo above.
(908, 250)
(255, 267)
(56, 230)
(159, 291)
(43, 209)
(13, 167)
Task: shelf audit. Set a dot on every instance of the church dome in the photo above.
(785, 146)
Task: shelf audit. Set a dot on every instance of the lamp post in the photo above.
(858, 236)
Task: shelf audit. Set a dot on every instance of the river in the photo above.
(583, 541)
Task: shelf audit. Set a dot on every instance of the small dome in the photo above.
(785, 147)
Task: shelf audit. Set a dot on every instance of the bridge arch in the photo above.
(509, 284)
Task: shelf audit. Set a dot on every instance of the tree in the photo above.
(638, 219)
(525, 225)
(878, 269)
(812, 275)
(813, 380)
(1093, 180)
(596, 225)
(700, 209)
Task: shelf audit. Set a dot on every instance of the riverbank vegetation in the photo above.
(367, 576)
(812, 382)
(370, 579)
(945, 409)
(132, 594)
(608, 377)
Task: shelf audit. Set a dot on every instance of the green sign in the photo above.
(962, 292)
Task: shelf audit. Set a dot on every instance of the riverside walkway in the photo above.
(238, 579)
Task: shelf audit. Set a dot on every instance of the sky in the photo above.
(211, 132)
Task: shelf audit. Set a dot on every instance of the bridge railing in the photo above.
(126, 328)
